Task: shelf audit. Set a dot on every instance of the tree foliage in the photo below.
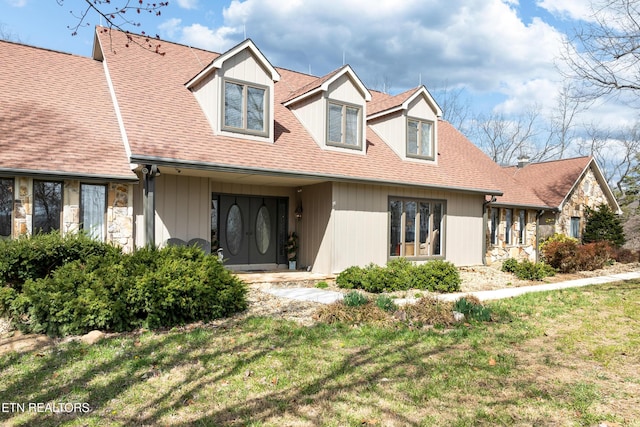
(602, 224)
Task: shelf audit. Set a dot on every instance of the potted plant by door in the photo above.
(292, 250)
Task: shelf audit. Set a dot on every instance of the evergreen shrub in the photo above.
(119, 292)
(400, 274)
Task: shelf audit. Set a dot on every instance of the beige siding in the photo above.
(244, 66)
(344, 89)
(312, 114)
(182, 208)
(359, 225)
(315, 229)
(206, 93)
(393, 130)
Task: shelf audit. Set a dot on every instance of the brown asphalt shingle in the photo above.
(163, 120)
(56, 115)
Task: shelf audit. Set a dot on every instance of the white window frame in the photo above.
(244, 109)
(343, 125)
(419, 139)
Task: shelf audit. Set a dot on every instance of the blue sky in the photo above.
(501, 53)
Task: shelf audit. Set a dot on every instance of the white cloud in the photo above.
(570, 9)
(17, 3)
(484, 46)
(170, 27)
(188, 4)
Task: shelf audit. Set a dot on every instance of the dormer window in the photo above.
(245, 108)
(343, 125)
(420, 139)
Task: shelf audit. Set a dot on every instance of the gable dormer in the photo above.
(408, 123)
(333, 109)
(236, 93)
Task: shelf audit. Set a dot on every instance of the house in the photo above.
(549, 197)
(140, 148)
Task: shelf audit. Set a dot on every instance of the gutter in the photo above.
(214, 167)
(66, 175)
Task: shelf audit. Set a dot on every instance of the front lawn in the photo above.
(569, 357)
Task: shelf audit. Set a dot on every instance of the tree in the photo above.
(602, 224)
(119, 14)
(603, 55)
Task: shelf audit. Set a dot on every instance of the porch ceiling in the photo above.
(242, 178)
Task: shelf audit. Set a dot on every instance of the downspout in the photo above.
(149, 173)
(538, 216)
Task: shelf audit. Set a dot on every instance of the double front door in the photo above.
(252, 230)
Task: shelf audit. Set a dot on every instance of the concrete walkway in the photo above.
(327, 297)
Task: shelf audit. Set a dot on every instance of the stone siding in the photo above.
(119, 215)
(519, 250)
(586, 193)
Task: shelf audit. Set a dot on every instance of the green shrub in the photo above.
(38, 256)
(510, 265)
(436, 276)
(354, 299)
(472, 310)
(119, 292)
(603, 225)
(322, 285)
(527, 270)
(385, 303)
(351, 278)
(401, 275)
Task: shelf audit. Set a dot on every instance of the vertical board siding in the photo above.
(182, 208)
(315, 229)
(311, 113)
(361, 218)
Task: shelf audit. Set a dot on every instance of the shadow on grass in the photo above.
(119, 373)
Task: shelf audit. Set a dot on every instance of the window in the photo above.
(47, 206)
(245, 108)
(575, 227)
(495, 221)
(416, 227)
(6, 206)
(343, 125)
(523, 227)
(419, 139)
(508, 227)
(93, 207)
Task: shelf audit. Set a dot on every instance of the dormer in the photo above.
(408, 123)
(333, 108)
(236, 93)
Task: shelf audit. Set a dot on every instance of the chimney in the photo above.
(523, 161)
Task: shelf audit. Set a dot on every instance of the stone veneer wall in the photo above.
(502, 251)
(587, 192)
(119, 210)
(120, 215)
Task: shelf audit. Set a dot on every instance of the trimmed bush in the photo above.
(36, 257)
(527, 270)
(401, 275)
(119, 292)
(510, 265)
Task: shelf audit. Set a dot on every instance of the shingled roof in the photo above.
(165, 123)
(551, 181)
(57, 117)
